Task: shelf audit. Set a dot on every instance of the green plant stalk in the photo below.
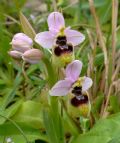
(57, 118)
(52, 77)
(54, 107)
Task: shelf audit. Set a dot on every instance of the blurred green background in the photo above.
(16, 96)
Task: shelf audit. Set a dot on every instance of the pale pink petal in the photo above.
(55, 21)
(45, 39)
(74, 37)
(32, 56)
(61, 88)
(23, 38)
(15, 54)
(21, 42)
(87, 84)
(73, 70)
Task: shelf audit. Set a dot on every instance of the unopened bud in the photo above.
(21, 42)
(32, 56)
(15, 54)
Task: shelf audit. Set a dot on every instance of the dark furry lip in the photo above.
(77, 91)
(79, 98)
(59, 50)
(77, 102)
(61, 40)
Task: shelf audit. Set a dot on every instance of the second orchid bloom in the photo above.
(60, 39)
(75, 85)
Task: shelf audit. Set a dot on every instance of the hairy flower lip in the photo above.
(61, 50)
(77, 102)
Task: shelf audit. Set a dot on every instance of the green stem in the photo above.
(52, 77)
(71, 124)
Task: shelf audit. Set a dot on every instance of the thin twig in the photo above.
(114, 27)
(84, 25)
(54, 5)
(93, 45)
(70, 5)
(101, 42)
(110, 89)
(23, 72)
(11, 18)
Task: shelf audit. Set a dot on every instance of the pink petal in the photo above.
(45, 39)
(86, 84)
(74, 37)
(32, 56)
(73, 70)
(23, 38)
(55, 21)
(61, 88)
(21, 42)
(15, 54)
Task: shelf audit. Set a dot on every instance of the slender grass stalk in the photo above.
(110, 89)
(101, 42)
(93, 45)
(70, 5)
(84, 25)
(114, 27)
(23, 72)
(113, 54)
(54, 5)
(11, 18)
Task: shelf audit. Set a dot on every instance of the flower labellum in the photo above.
(61, 39)
(63, 52)
(21, 42)
(32, 56)
(75, 85)
(15, 54)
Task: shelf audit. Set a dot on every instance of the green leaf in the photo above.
(105, 130)
(8, 129)
(26, 26)
(30, 113)
(115, 140)
(53, 124)
(91, 139)
(50, 128)
(20, 3)
(99, 59)
(114, 103)
(9, 112)
(96, 105)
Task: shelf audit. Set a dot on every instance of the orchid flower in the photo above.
(57, 27)
(60, 38)
(72, 82)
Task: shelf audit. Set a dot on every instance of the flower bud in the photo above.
(32, 56)
(21, 42)
(15, 54)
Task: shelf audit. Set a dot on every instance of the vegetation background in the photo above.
(21, 103)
